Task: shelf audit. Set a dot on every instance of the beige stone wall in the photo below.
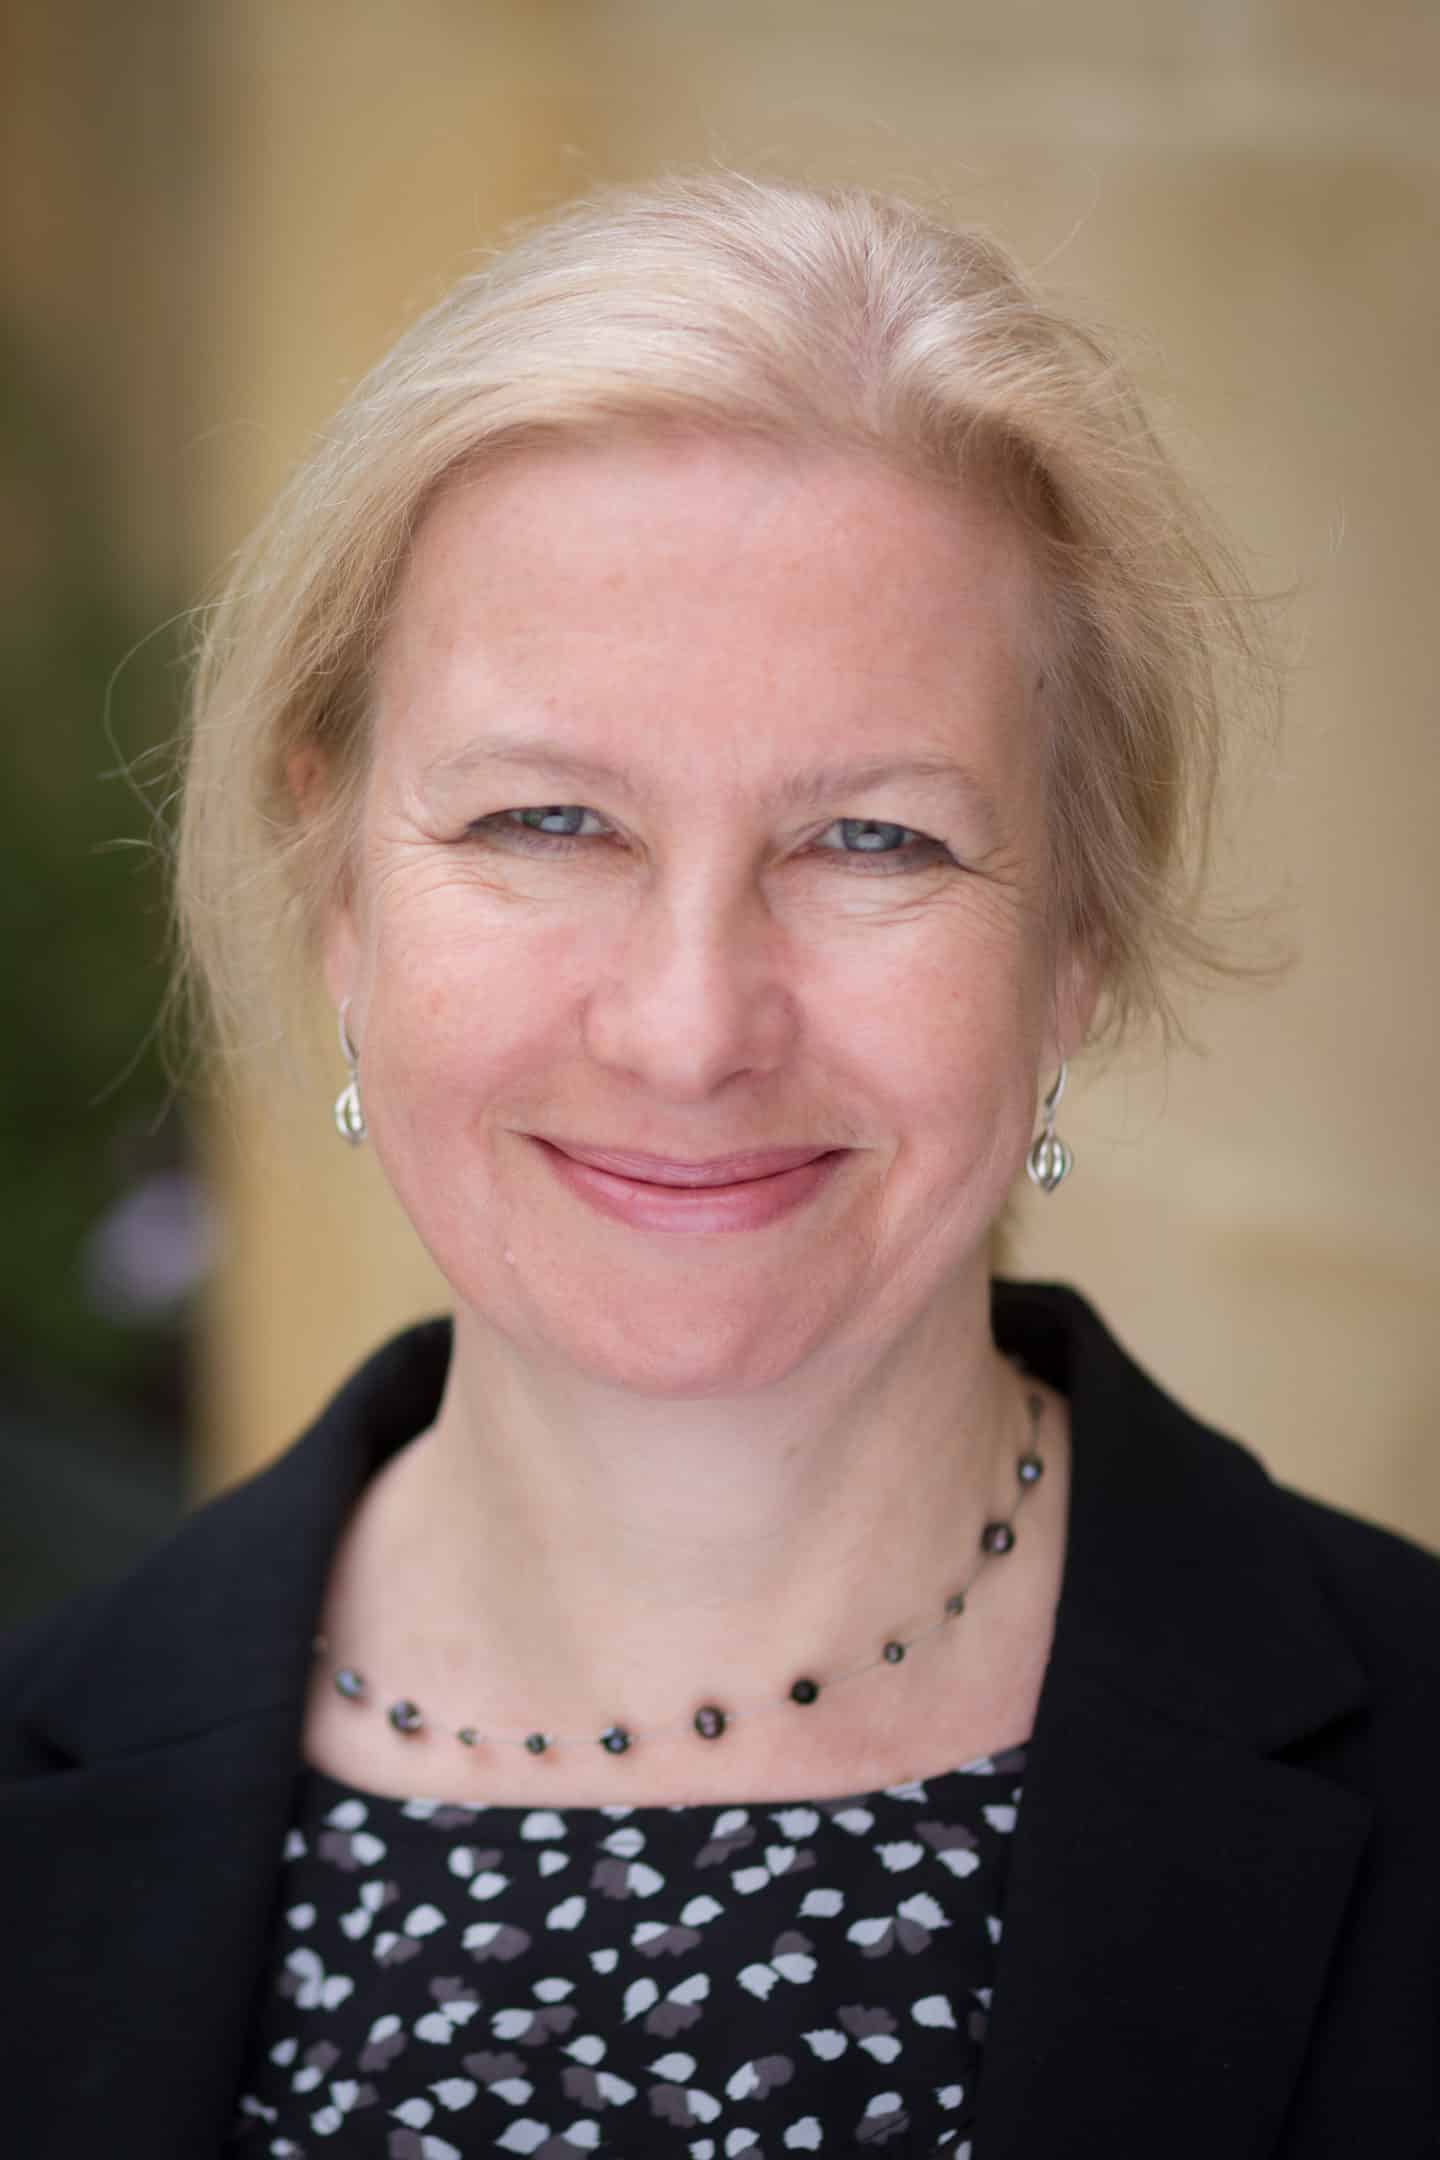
(1249, 194)
(105, 182)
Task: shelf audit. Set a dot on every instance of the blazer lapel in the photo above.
(1176, 1887)
(140, 1893)
(1170, 1919)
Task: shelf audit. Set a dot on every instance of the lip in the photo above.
(785, 1180)
(669, 1170)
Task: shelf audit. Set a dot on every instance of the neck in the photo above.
(560, 1553)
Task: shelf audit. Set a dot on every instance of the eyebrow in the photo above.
(797, 791)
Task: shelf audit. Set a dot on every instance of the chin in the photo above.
(683, 1348)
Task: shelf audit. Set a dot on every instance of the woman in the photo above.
(724, 709)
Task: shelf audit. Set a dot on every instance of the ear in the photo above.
(308, 777)
(1079, 979)
(340, 949)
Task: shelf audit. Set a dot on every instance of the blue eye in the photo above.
(875, 844)
(864, 843)
(867, 836)
(538, 827)
(554, 818)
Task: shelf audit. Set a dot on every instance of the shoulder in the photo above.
(1144, 1440)
(215, 1623)
(29, 1654)
(1235, 1600)
(1383, 1589)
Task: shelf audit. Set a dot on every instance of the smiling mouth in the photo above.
(748, 1168)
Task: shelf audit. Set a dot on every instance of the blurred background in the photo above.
(218, 213)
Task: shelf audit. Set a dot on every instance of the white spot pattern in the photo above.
(806, 1977)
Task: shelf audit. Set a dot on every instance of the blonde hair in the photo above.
(829, 316)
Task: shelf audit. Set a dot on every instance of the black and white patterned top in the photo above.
(769, 1979)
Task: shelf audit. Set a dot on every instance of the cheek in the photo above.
(950, 1086)
(960, 1099)
(460, 992)
(947, 1019)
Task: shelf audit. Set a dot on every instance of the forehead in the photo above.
(746, 595)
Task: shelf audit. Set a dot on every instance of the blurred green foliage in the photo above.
(88, 697)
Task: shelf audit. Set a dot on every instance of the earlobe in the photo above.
(339, 951)
(310, 781)
(1079, 979)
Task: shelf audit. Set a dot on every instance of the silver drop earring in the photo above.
(349, 1116)
(1050, 1162)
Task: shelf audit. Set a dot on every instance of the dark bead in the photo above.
(805, 1691)
(349, 1683)
(997, 1537)
(955, 1603)
(710, 1722)
(405, 1717)
(615, 1740)
(893, 1653)
(536, 1742)
(1030, 1469)
(1035, 1404)
(468, 1737)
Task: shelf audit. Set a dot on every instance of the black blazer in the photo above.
(1222, 1928)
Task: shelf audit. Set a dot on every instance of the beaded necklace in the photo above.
(710, 1721)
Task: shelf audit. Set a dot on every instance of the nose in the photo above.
(696, 992)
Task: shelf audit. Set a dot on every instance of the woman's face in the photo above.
(705, 820)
